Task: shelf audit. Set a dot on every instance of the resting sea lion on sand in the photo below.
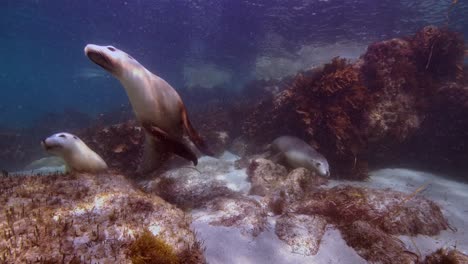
(77, 155)
(157, 106)
(297, 153)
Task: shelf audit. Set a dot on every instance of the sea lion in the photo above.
(77, 155)
(157, 106)
(54, 161)
(297, 153)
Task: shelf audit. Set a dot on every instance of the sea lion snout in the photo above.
(98, 54)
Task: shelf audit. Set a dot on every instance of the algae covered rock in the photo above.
(190, 187)
(241, 212)
(394, 212)
(265, 175)
(82, 217)
(279, 187)
(302, 232)
(445, 256)
(375, 245)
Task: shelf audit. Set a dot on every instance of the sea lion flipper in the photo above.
(277, 158)
(193, 135)
(154, 154)
(172, 145)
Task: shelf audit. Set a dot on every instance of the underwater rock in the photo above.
(264, 176)
(193, 187)
(302, 232)
(365, 111)
(241, 212)
(441, 143)
(325, 108)
(446, 256)
(119, 145)
(239, 146)
(297, 184)
(439, 52)
(395, 119)
(88, 218)
(279, 187)
(394, 212)
(375, 245)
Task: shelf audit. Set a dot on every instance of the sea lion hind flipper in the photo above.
(172, 145)
(154, 155)
(193, 135)
(276, 158)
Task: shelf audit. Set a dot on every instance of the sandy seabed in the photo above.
(229, 245)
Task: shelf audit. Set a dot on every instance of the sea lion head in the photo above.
(321, 166)
(311, 161)
(111, 59)
(76, 154)
(60, 144)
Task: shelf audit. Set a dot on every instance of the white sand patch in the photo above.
(235, 179)
(228, 245)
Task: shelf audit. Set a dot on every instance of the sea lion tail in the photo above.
(193, 135)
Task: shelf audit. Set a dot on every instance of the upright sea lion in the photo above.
(77, 155)
(297, 153)
(157, 106)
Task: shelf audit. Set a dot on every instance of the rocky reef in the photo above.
(262, 209)
(364, 114)
(85, 218)
(298, 208)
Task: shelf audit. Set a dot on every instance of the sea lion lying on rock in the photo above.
(77, 155)
(297, 153)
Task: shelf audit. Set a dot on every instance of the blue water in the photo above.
(43, 68)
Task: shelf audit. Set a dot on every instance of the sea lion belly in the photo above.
(155, 102)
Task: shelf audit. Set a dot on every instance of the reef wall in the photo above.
(366, 112)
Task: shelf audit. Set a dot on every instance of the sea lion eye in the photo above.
(111, 48)
(318, 164)
(62, 136)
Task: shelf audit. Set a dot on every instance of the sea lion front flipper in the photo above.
(193, 135)
(172, 145)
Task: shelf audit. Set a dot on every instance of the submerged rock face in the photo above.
(241, 212)
(375, 245)
(90, 218)
(393, 212)
(366, 111)
(280, 188)
(446, 256)
(190, 187)
(120, 145)
(368, 218)
(264, 176)
(302, 232)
